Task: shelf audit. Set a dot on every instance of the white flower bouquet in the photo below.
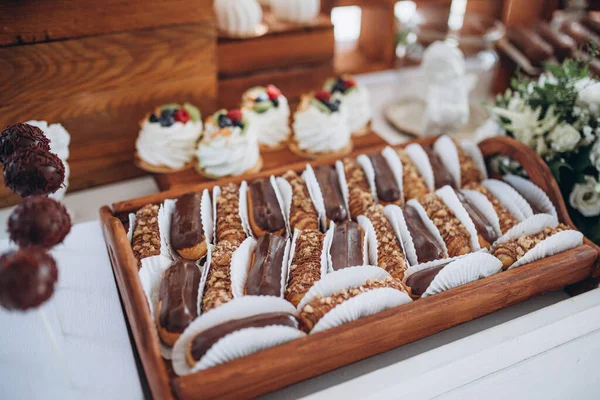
(558, 116)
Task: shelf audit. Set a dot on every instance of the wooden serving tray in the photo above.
(315, 354)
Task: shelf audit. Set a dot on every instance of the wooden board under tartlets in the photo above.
(255, 169)
(315, 354)
(317, 156)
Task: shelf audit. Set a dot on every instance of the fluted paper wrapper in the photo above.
(285, 189)
(453, 203)
(216, 192)
(432, 264)
(328, 242)
(475, 154)
(555, 244)
(446, 150)
(395, 215)
(419, 158)
(395, 164)
(481, 203)
(532, 193)
(365, 162)
(130, 228)
(237, 344)
(165, 212)
(281, 203)
(339, 168)
(244, 209)
(314, 190)
(206, 216)
(465, 270)
(530, 226)
(429, 224)
(510, 198)
(365, 304)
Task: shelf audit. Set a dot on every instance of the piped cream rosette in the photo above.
(356, 100)
(239, 328)
(537, 237)
(448, 152)
(436, 277)
(349, 294)
(532, 193)
(269, 113)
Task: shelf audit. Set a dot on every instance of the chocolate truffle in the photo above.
(21, 136)
(27, 278)
(39, 221)
(32, 171)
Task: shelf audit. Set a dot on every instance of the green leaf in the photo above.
(193, 111)
(172, 106)
(582, 160)
(556, 166)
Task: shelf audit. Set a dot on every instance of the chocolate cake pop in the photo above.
(39, 221)
(21, 136)
(32, 171)
(27, 278)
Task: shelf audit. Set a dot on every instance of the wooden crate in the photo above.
(315, 354)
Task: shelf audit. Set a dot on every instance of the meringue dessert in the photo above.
(168, 137)
(356, 102)
(297, 11)
(268, 112)
(239, 18)
(229, 146)
(321, 127)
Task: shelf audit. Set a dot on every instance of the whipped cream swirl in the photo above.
(358, 108)
(170, 146)
(316, 131)
(273, 125)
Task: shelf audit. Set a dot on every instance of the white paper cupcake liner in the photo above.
(316, 195)
(429, 224)
(328, 242)
(165, 212)
(240, 262)
(432, 264)
(532, 193)
(285, 189)
(481, 203)
(555, 244)
(510, 198)
(206, 216)
(234, 345)
(418, 156)
(475, 154)
(395, 215)
(530, 226)
(243, 209)
(339, 167)
(453, 203)
(395, 165)
(281, 203)
(367, 226)
(446, 150)
(204, 277)
(365, 162)
(460, 272)
(130, 228)
(216, 193)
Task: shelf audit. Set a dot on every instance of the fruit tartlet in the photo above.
(269, 113)
(229, 146)
(356, 101)
(168, 137)
(320, 127)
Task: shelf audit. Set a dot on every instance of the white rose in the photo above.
(595, 155)
(589, 92)
(564, 138)
(585, 197)
(588, 135)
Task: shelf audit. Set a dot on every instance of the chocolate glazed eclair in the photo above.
(228, 222)
(266, 267)
(440, 174)
(412, 182)
(187, 232)
(420, 281)
(426, 245)
(305, 268)
(303, 214)
(358, 188)
(203, 341)
(486, 234)
(507, 220)
(347, 245)
(177, 300)
(264, 210)
(335, 207)
(146, 235)
(388, 191)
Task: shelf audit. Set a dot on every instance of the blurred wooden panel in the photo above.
(26, 21)
(525, 12)
(285, 45)
(100, 87)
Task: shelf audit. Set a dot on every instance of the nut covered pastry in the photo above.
(413, 183)
(303, 214)
(146, 235)
(469, 172)
(305, 268)
(358, 187)
(217, 290)
(453, 232)
(507, 220)
(228, 221)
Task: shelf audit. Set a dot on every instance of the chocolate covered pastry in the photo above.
(177, 300)
(316, 309)
(266, 267)
(420, 281)
(335, 207)
(511, 251)
(21, 136)
(203, 341)
(305, 268)
(228, 222)
(347, 245)
(264, 211)
(146, 235)
(507, 220)
(455, 235)
(217, 290)
(486, 234)
(413, 184)
(358, 187)
(425, 243)
(187, 232)
(440, 174)
(303, 214)
(388, 191)
(390, 256)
